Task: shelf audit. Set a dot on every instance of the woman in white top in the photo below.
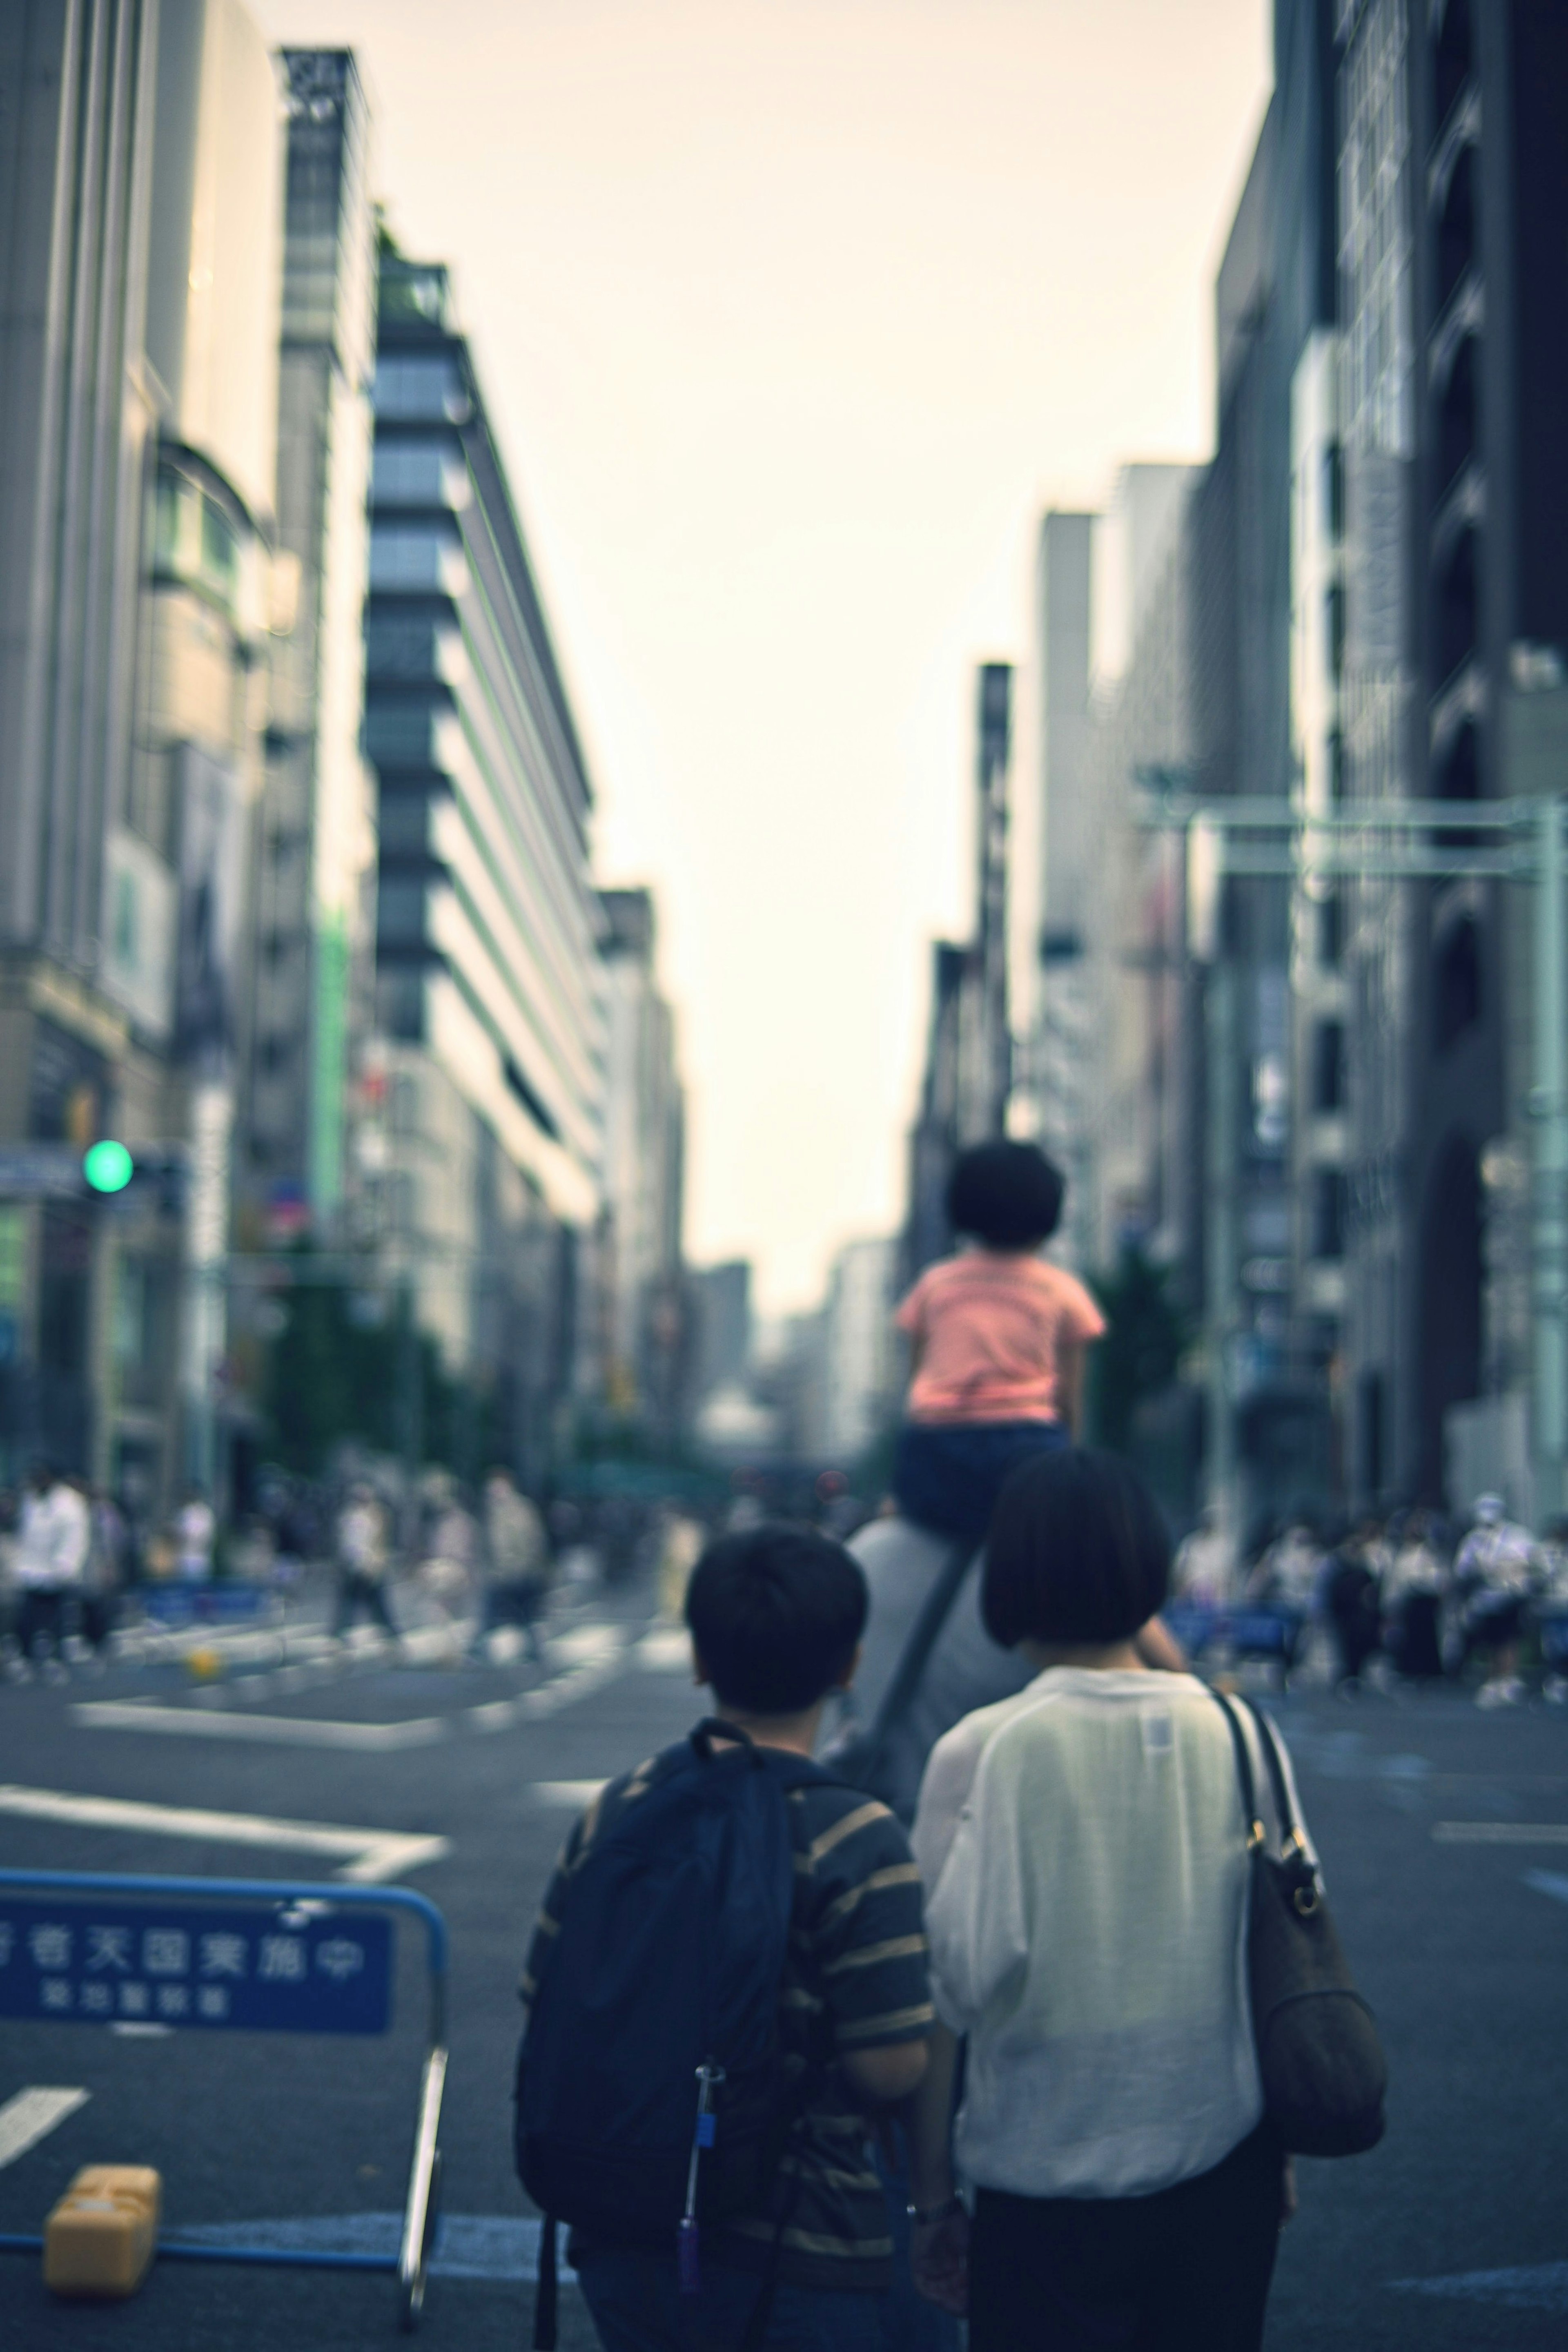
(1084, 1849)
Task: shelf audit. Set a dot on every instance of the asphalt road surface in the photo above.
(1443, 1833)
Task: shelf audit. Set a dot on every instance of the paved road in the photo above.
(1452, 2234)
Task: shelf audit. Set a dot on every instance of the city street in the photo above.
(1457, 1918)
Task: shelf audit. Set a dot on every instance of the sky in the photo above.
(794, 316)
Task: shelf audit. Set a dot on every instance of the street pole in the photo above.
(1549, 1105)
(1219, 1001)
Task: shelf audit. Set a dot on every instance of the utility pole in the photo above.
(995, 736)
(1549, 1110)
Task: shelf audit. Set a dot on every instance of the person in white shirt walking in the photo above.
(1084, 1851)
(53, 1540)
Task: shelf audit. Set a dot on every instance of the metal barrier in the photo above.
(194, 1954)
(1246, 1631)
(214, 1602)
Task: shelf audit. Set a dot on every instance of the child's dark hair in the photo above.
(1077, 1552)
(775, 1612)
(1007, 1195)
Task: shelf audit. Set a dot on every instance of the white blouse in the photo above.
(1084, 1852)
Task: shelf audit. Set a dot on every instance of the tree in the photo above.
(1146, 1336)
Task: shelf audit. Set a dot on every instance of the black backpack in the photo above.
(666, 1970)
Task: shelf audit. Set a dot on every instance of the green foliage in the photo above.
(329, 1376)
(1139, 1356)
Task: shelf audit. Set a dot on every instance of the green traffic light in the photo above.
(108, 1167)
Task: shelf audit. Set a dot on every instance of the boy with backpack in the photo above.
(728, 1982)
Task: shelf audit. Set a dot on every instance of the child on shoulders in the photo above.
(998, 1336)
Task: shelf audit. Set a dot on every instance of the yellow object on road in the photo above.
(101, 2237)
(204, 1665)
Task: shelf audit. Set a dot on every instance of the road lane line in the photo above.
(282, 1730)
(370, 1856)
(32, 2116)
(578, 1794)
(1501, 1832)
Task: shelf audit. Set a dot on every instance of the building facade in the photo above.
(313, 967)
(644, 1124)
(489, 980)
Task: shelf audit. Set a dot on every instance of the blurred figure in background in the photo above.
(1496, 1575)
(1205, 1563)
(681, 1541)
(363, 1557)
(1352, 1599)
(195, 1534)
(104, 1578)
(53, 1537)
(517, 1556)
(1413, 1589)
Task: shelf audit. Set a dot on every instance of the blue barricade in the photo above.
(1192, 1625)
(220, 1603)
(1554, 1640)
(91, 1947)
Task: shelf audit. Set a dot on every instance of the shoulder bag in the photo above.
(1320, 2062)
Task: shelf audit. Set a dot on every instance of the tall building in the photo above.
(315, 913)
(136, 539)
(859, 1355)
(1453, 217)
(1062, 1063)
(644, 1172)
(490, 988)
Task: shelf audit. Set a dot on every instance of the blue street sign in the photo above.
(293, 1969)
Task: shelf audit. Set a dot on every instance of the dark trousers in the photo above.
(356, 1593)
(1187, 2270)
(40, 1616)
(947, 1474)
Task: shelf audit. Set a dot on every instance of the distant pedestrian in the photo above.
(1353, 1603)
(727, 1988)
(997, 1337)
(680, 1549)
(1496, 1574)
(1084, 1849)
(104, 1577)
(516, 1559)
(195, 1536)
(1204, 1569)
(1412, 1597)
(53, 1535)
(364, 1559)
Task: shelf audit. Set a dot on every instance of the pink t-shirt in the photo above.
(987, 1331)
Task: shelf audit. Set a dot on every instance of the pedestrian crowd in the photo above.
(1410, 1596)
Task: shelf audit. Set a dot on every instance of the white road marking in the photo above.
(1501, 1832)
(1543, 2287)
(280, 1730)
(665, 1651)
(32, 2116)
(1548, 1882)
(599, 1653)
(374, 1856)
(578, 1794)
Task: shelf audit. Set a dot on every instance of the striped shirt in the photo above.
(854, 1979)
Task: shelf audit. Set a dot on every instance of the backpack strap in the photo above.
(914, 1657)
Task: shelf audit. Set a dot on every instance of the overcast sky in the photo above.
(794, 314)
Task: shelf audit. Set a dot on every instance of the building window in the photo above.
(1328, 1213)
(1333, 492)
(1456, 983)
(1328, 1067)
(1334, 622)
(1331, 932)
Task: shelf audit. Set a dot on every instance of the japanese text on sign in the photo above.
(283, 1970)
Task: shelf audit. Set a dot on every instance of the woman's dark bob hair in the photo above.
(1078, 1552)
(1006, 1195)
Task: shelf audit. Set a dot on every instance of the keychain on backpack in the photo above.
(707, 2131)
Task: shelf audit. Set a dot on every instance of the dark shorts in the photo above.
(947, 1474)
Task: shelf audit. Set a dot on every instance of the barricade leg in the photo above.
(420, 2213)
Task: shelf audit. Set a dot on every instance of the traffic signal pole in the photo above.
(1549, 1110)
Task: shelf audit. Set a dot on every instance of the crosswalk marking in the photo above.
(370, 1856)
(32, 2115)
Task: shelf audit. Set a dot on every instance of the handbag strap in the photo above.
(1255, 1832)
(1290, 1831)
